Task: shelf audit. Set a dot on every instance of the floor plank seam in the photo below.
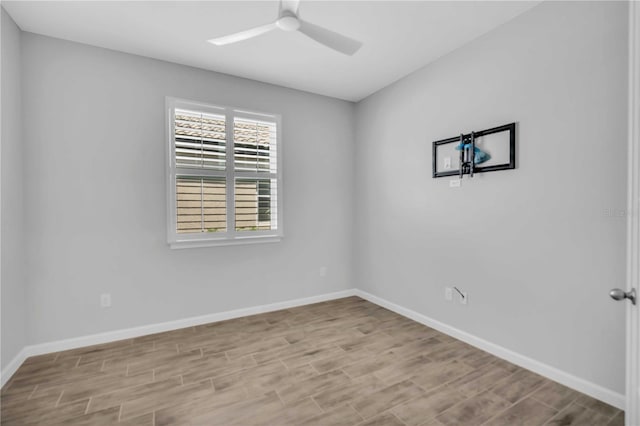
(535, 389)
(612, 417)
(59, 398)
(316, 402)
(281, 362)
(33, 392)
(553, 408)
(315, 369)
(394, 415)
(356, 411)
(280, 398)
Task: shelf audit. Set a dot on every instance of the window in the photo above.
(224, 176)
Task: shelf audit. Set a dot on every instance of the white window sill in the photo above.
(225, 242)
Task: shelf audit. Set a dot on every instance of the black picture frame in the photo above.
(511, 128)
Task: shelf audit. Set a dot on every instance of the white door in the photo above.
(632, 414)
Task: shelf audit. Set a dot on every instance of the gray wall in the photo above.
(541, 245)
(536, 247)
(95, 194)
(13, 286)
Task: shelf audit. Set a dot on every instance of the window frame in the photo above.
(230, 236)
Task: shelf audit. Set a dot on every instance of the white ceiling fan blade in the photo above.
(331, 39)
(243, 35)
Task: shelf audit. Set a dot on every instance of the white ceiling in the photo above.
(399, 36)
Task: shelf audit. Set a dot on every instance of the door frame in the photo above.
(632, 414)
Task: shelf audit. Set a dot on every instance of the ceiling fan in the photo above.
(288, 20)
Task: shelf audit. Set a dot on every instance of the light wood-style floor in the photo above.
(343, 362)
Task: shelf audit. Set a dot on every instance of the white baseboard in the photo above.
(581, 385)
(562, 377)
(111, 336)
(13, 366)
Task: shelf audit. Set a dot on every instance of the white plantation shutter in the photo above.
(254, 145)
(224, 175)
(256, 201)
(200, 140)
(201, 204)
(255, 159)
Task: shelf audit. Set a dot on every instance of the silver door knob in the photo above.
(619, 294)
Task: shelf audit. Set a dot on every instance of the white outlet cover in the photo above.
(447, 163)
(105, 300)
(448, 294)
(454, 183)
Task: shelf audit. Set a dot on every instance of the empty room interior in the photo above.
(284, 212)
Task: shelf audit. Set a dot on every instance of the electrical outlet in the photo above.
(454, 183)
(447, 163)
(448, 294)
(323, 271)
(105, 300)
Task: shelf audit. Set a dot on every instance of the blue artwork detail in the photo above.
(479, 157)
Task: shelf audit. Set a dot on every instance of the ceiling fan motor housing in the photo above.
(288, 22)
